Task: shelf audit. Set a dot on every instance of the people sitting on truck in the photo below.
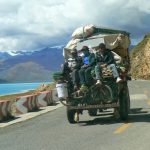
(104, 57)
(85, 71)
(72, 66)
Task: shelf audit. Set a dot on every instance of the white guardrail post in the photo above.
(24, 104)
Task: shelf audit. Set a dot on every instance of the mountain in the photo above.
(26, 72)
(4, 56)
(3, 81)
(32, 66)
(140, 59)
(47, 57)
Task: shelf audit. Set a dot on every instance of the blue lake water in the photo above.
(18, 87)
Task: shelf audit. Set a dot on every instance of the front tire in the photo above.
(124, 101)
(71, 116)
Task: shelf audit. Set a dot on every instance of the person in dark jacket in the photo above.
(72, 66)
(88, 65)
(105, 57)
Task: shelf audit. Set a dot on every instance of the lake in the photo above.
(18, 87)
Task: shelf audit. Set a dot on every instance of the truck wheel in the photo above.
(71, 116)
(124, 101)
(128, 97)
(92, 112)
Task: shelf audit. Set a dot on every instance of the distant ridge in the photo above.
(32, 66)
(3, 81)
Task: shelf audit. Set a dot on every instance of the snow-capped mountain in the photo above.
(15, 53)
(4, 56)
(45, 60)
(8, 54)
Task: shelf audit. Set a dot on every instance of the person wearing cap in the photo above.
(72, 66)
(88, 65)
(105, 57)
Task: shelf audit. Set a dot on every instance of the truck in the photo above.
(108, 95)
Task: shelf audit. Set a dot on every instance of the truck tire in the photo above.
(124, 101)
(71, 116)
(128, 97)
(92, 112)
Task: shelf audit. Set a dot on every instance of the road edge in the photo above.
(30, 115)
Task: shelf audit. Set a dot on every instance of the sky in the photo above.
(32, 24)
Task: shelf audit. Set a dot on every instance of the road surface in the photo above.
(52, 131)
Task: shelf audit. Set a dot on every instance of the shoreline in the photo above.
(13, 96)
(40, 88)
(25, 82)
(23, 91)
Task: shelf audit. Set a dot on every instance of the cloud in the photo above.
(32, 24)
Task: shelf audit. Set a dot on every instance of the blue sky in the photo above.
(31, 24)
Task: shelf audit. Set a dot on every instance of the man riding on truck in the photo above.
(85, 71)
(104, 57)
(72, 66)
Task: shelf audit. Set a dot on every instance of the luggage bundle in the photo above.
(92, 36)
(83, 32)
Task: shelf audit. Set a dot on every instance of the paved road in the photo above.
(51, 131)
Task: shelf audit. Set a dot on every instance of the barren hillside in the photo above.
(140, 59)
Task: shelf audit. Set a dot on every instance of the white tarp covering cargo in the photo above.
(71, 45)
(116, 40)
(118, 43)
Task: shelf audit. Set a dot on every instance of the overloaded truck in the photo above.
(98, 97)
